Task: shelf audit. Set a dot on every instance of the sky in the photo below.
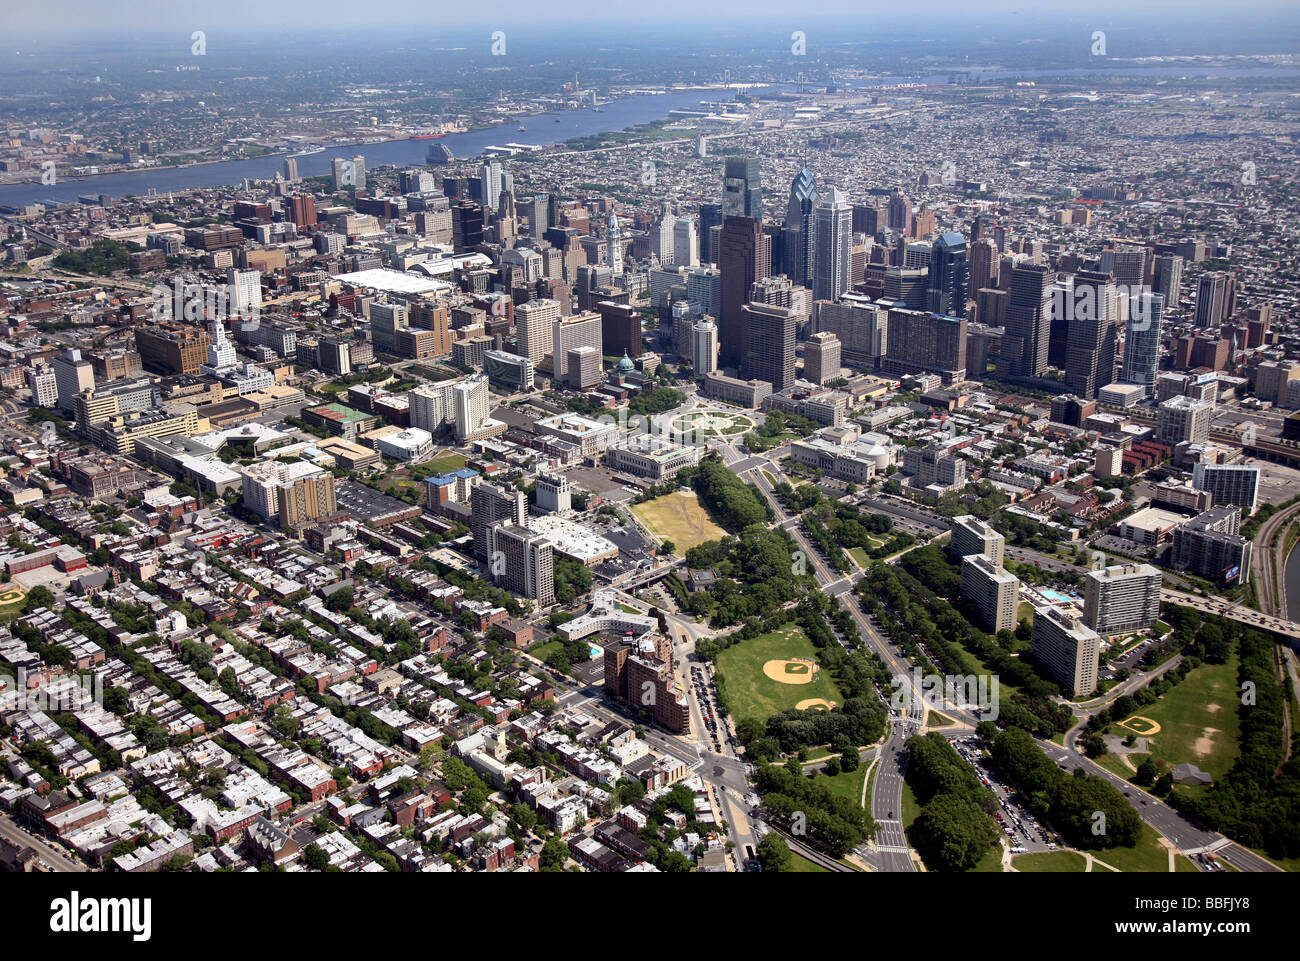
(80, 16)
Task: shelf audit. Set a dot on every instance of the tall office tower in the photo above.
(831, 246)
(686, 245)
(554, 495)
(466, 226)
(821, 358)
(710, 217)
(1128, 265)
(907, 285)
(534, 323)
(335, 356)
(578, 330)
(704, 346)
(704, 290)
(492, 504)
(359, 169)
(993, 590)
(1167, 278)
(470, 402)
(769, 344)
(661, 236)
(489, 175)
(743, 259)
(1142, 340)
(1029, 320)
(1182, 419)
(522, 562)
(861, 327)
(245, 289)
(620, 328)
(797, 232)
(44, 386)
(72, 375)
(1211, 299)
(614, 246)
(1058, 339)
(921, 342)
(970, 535)
(385, 321)
(1090, 356)
(291, 169)
(221, 352)
(582, 367)
(742, 190)
(1229, 484)
(869, 217)
(538, 211)
(1122, 598)
(948, 278)
(900, 212)
(1066, 649)
(302, 210)
(983, 266)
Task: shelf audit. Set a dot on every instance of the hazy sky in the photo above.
(233, 15)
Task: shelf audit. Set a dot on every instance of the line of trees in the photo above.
(955, 827)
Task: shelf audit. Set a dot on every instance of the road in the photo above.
(890, 852)
(56, 858)
(1269, 564)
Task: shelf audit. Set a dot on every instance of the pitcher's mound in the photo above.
(799, 671)
(815, 703)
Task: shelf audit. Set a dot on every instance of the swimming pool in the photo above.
(1057, 597)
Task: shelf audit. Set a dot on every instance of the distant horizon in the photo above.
(149, 19)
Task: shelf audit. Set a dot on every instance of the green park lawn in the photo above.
(1147, 856)
(1198, 721)
(751, 693)
(801, 865)
(1050, 862)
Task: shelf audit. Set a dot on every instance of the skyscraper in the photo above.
(533, 327)
(578, 330)
(983, 267)
(1029, 318)
(686, 245)
(949, 269)
(291, 169)
(769, 344)
(522, 562)
(900, 212)
(490, 177)
(832, 246)
(1090, 354)
(742, 190)
(614, 245)
(1167, 278)
(1121, 598)
(492, 504)
(1211, 299)
(704, 346)
(797, 232)
(821, 358)
(1142, 340)
(744, 260)
(1127, 265)
(710, 217)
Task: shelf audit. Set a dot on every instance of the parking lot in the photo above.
(706, 697)
(1022, 829)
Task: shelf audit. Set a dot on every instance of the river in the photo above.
(542, 130)
(1291, 584)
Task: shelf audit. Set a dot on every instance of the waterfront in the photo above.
(542, 130)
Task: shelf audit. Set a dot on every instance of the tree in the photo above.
(341, 600)
(773, 853)
(314, 856)
(554, 855)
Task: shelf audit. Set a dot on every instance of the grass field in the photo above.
(1198, 721)
(1148, 855)
(679, 518)
(1050, 862)
(847, 783)
(751, 693)
(801, 865)
(445, 462)
(991, 863)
